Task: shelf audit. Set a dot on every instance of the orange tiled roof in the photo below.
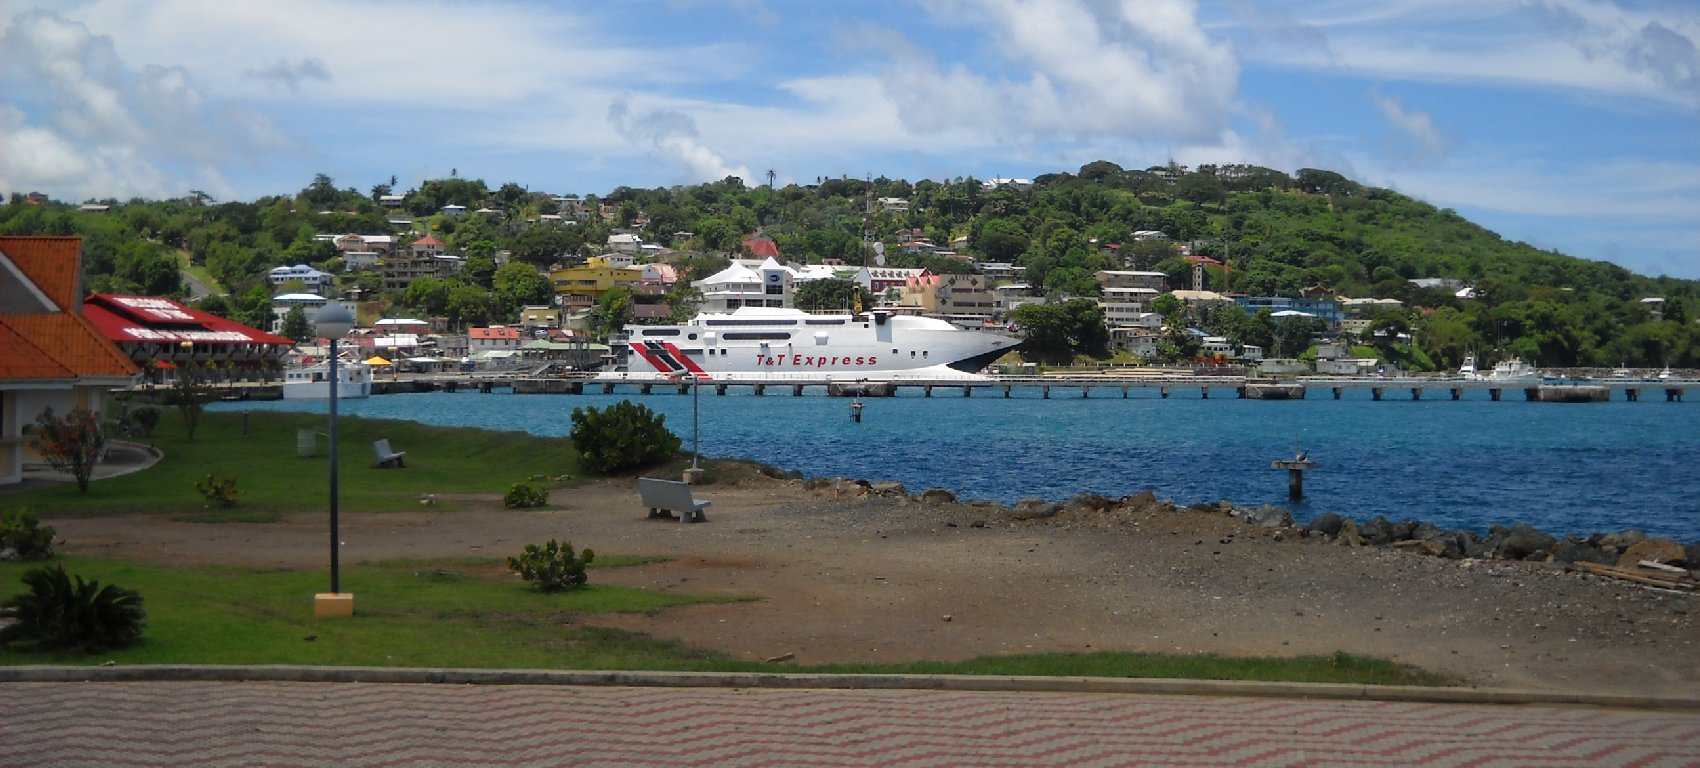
(54, 345)
(51, 263)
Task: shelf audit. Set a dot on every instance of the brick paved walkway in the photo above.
(364, 724)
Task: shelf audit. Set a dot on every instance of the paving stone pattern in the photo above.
(362, 724)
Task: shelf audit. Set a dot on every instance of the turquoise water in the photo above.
(1564, 468)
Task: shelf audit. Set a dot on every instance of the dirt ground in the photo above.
(842, 577)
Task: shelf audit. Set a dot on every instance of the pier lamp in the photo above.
(333, 322)
(694, 474)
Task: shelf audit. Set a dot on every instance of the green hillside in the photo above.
(1310, 233)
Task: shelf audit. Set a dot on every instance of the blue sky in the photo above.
(1573, 125)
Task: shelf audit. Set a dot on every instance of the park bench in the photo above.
(671, 496)
(386, 457)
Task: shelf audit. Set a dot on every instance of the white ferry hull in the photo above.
(778, 345)
(313, 383)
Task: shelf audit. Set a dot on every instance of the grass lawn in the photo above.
(464, 612)
(271, 478)
(199, 273)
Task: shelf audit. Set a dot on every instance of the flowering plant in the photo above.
(70, 444)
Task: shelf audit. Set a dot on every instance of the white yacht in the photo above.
(780, 344)
(312, 382)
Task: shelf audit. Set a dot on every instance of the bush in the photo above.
(552, 567)
(72, 444)
(144, 418)
(217, 489)
(624, 435)
(22, 531)
(57, 614)
(525, 495)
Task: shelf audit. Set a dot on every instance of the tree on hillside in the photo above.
(295, 325)
(1057, 333)
(831, 295)
(517, 284)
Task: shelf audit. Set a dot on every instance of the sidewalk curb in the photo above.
(1101, 685)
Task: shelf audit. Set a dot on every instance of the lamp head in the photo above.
(334, 321)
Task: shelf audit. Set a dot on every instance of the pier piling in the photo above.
(1296, 468)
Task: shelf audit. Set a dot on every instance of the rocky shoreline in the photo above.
(1520, 542)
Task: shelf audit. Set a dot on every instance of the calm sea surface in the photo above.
(1564, 468)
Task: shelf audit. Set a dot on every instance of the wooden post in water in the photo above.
(1296, 468)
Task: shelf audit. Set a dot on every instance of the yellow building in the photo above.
(578, 287)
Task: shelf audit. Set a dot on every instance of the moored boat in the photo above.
(312, 382)
(789, 344)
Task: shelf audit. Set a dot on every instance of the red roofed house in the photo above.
(493, 338)
(761, 246)
(50, 355)
(161, 335)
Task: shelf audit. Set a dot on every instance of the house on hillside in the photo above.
(54, 357)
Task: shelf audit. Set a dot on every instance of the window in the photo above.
(663, 332)
(756, 336)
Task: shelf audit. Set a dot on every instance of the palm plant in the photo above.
(65, 613)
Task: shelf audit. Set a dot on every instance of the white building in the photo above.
(308, 277)
(768, 285)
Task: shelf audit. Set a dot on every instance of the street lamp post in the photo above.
(694, 474)
(334, 322)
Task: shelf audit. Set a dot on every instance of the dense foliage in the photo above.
(22, 532)
(60, 612)
(522, 495)
(623, 435)
(553, 567)
(1278, 234)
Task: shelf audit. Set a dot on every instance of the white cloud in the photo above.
(1072, 70)
(673, 135)
(1416, 125)
(85, 123)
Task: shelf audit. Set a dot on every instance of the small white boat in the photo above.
(1468, 369)
(1512, 369)
(354, 380)
(1665, 374)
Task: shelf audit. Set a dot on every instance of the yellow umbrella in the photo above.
(376, 360)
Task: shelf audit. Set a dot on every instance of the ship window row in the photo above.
(660, 331)
(750, 321)
(812, 321)
(756, 336)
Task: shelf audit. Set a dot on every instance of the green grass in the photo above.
(199, 273)
(471, 612)
(271, 479)
(463, 612)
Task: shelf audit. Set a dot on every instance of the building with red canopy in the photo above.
(161, 335)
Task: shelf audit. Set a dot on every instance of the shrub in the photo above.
(72, 444)
(57, 614)
(217, 489)
(525, 495)
(145, 418)
(552, 567)
(22, 531)
(625, 435)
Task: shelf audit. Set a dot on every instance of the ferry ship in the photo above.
(780, 344)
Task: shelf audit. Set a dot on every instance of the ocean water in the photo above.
(1564, 468)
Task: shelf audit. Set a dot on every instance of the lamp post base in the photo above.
(333, 604)
(693, 475)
